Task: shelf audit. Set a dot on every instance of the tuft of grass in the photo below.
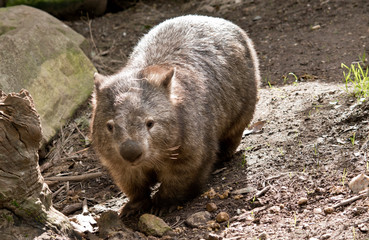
(270, 85)
(244, 160)
(352, 139)
(343, 179)
(357, 78)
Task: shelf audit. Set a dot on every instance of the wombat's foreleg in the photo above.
(138, 193)
(182, 182)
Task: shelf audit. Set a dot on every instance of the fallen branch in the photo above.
(75, 178)
(57, 192)
(262, 192)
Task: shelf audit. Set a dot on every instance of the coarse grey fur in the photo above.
(180, 104)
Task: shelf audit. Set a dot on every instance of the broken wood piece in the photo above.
(85, 207)
(69, 209)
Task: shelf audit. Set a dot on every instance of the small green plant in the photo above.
(315, 148)
(285, 78)
(294, 75)
(343, 179)
(244, 160)
(353, 233)
(358, 78)
(294, 223)
(352, 139)
(270, 85)
(281, 151)
(363, 58)
(308, 191)
(316, 153)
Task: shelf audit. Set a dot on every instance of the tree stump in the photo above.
(26, 210)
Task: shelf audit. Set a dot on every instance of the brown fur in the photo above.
(181, 103)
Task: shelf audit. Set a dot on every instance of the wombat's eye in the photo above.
(110, 125)
(149, 123)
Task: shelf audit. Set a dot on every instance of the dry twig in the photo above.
(75, 178)
(57, 192)
(350, 200)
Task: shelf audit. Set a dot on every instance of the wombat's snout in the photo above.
(130, 150)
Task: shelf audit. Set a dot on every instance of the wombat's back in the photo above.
(221, 62)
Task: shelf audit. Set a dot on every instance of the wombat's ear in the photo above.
(98, 80)
(159, 75)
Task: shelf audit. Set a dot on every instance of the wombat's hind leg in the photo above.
(227, 146)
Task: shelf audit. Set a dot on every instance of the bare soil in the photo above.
(312, 143)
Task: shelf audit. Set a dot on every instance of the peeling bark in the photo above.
(26, 209)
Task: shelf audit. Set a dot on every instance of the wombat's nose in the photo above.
(130, 150)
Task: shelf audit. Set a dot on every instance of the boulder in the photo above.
(43, 55)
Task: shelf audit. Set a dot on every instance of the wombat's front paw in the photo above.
(162, 206)
(134, 207)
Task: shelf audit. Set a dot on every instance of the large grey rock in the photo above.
(43, 55)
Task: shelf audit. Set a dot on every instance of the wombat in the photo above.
(181, 103)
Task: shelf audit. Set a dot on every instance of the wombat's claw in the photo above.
(127, 213)
(133, 208)
(159, 211)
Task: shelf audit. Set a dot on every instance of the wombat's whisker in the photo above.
(174, 148)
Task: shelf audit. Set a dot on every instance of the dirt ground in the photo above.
(314, 138)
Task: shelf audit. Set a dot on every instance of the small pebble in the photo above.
(256, 18)
(315, 27)
(210, 194)
(237, 197)
(222, 217)
(213, 236)
(325, 236)
(211, 207)
(320, 190)
(213, 225)
(224, 195)
(317, 211)
(363, 227)
(275, 209)
(359, 183)
(198, 219)
(328, 210)
(263, 236)
(302, 201)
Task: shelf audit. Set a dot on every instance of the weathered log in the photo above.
(26, 209)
